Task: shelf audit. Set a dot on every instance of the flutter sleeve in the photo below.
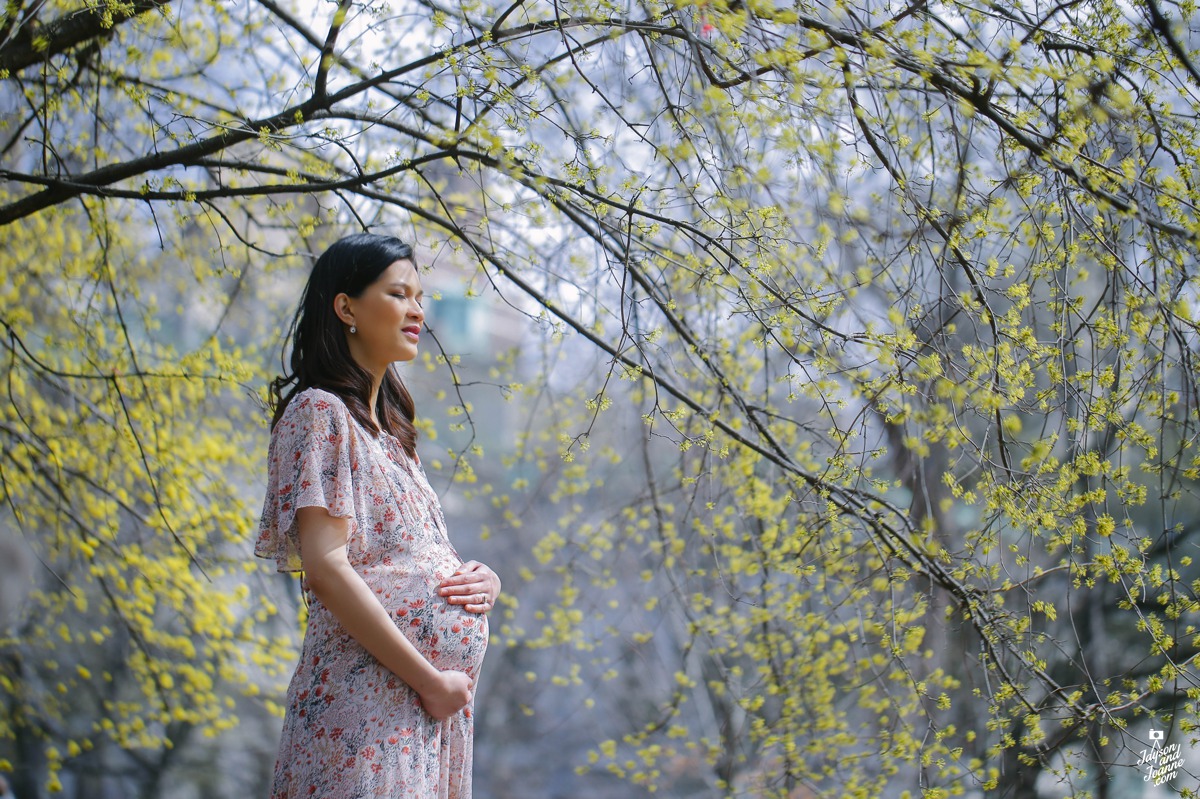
(308, 465)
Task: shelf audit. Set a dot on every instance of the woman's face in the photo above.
(387, 318)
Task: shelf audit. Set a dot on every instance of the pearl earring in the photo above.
(353, 329)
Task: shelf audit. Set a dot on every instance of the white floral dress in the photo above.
(353, 729)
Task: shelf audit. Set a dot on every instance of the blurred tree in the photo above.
(900, 295)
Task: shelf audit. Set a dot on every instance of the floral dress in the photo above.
(352, 729)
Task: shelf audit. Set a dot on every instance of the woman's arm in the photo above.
(474, 586)
(351, 601)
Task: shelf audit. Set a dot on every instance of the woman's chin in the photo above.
(406, 354)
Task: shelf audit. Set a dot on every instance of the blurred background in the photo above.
(820, 378)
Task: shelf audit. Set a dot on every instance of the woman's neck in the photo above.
(374, 403)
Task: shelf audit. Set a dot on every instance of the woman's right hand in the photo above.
(448, 695)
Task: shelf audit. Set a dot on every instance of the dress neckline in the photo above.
(402, 459)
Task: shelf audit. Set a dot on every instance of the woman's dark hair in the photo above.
(320, 355)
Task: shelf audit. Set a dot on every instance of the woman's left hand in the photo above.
(474, 586)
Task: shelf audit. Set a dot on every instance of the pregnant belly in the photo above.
(448, 636)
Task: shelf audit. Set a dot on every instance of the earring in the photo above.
(353, 329)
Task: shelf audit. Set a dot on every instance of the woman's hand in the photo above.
(447, 695)
(474, 586)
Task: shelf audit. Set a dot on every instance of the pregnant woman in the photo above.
(381, 701)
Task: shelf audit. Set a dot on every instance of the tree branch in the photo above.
(33, 44)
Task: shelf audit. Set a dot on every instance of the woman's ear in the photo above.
(343, 306)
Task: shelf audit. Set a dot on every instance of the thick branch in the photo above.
(33, 44)
(286, 119)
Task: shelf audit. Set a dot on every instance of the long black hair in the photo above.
(320, 355)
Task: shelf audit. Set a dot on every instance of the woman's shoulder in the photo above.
(313, 394)
(313, 403)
